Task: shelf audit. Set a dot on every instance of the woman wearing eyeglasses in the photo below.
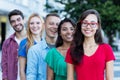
(88, 56)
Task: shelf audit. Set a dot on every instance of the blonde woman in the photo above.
(34, 35)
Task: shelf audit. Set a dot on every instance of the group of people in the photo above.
(67, 51)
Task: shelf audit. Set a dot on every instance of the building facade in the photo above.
(26, 6)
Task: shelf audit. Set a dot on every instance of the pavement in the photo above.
(116, 66)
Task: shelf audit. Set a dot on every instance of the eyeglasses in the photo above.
(92, 24)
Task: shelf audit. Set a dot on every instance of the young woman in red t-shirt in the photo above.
(88, 55)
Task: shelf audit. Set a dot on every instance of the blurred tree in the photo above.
(110, 14)
(108, 9)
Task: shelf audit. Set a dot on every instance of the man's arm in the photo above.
(4, 62)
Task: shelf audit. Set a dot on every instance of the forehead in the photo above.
(66, 24)
(35, 18)
(91, 17)
(53, 19)
(14, 17)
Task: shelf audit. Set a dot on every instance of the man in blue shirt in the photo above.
(36, 66)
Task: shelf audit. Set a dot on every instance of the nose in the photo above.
(88, 26)
(16, 22)
(34, 25)
(69, 31)
(56, 26)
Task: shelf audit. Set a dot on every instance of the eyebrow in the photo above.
(90, 21)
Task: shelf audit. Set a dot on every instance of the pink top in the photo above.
(92, 67)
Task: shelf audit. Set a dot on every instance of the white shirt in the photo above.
(18, 41)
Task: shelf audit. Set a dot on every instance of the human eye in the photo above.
(31, 23)
(93, 24)
(72, 29)
(12, 21)
(57, 24)
(84, 23)
(64, 29)
(38, 22)
(18, 19)
(51, 23)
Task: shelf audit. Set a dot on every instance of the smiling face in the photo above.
(51, 26)
(89, 25)
(35, 25)
(17, 23)
(67, 31)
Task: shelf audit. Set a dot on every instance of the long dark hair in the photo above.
(76, 49)
(59, 40)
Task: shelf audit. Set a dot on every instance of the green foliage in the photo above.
(109, 11)
(110, 16)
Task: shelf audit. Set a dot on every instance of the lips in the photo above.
(35, 29)
(69, 36)
(53, 30)
(87, 31)
(18, 26)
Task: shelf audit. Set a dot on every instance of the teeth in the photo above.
(53, 30)
(69, 36)
(88, 31)
(34, 30)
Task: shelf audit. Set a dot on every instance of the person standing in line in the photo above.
(55, 58)
(36, 66)
(34, 35)
(88, 55)
(10, 46)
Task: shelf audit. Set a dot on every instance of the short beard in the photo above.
(19, 30)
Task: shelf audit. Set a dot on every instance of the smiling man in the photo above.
(36, 66)
(10, 46)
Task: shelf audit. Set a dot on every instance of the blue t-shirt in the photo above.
(22, 48)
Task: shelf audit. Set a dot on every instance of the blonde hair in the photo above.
(30, 40)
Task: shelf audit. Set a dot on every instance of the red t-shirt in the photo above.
(92, 67)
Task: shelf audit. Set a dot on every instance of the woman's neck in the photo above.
(36, 38)
(89, 42)
(65, 46)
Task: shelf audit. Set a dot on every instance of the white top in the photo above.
(18, 41)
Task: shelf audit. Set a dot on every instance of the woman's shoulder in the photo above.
(107, 48)
(105, 45)
(53, 53)
(52, 50)
(23, 41)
